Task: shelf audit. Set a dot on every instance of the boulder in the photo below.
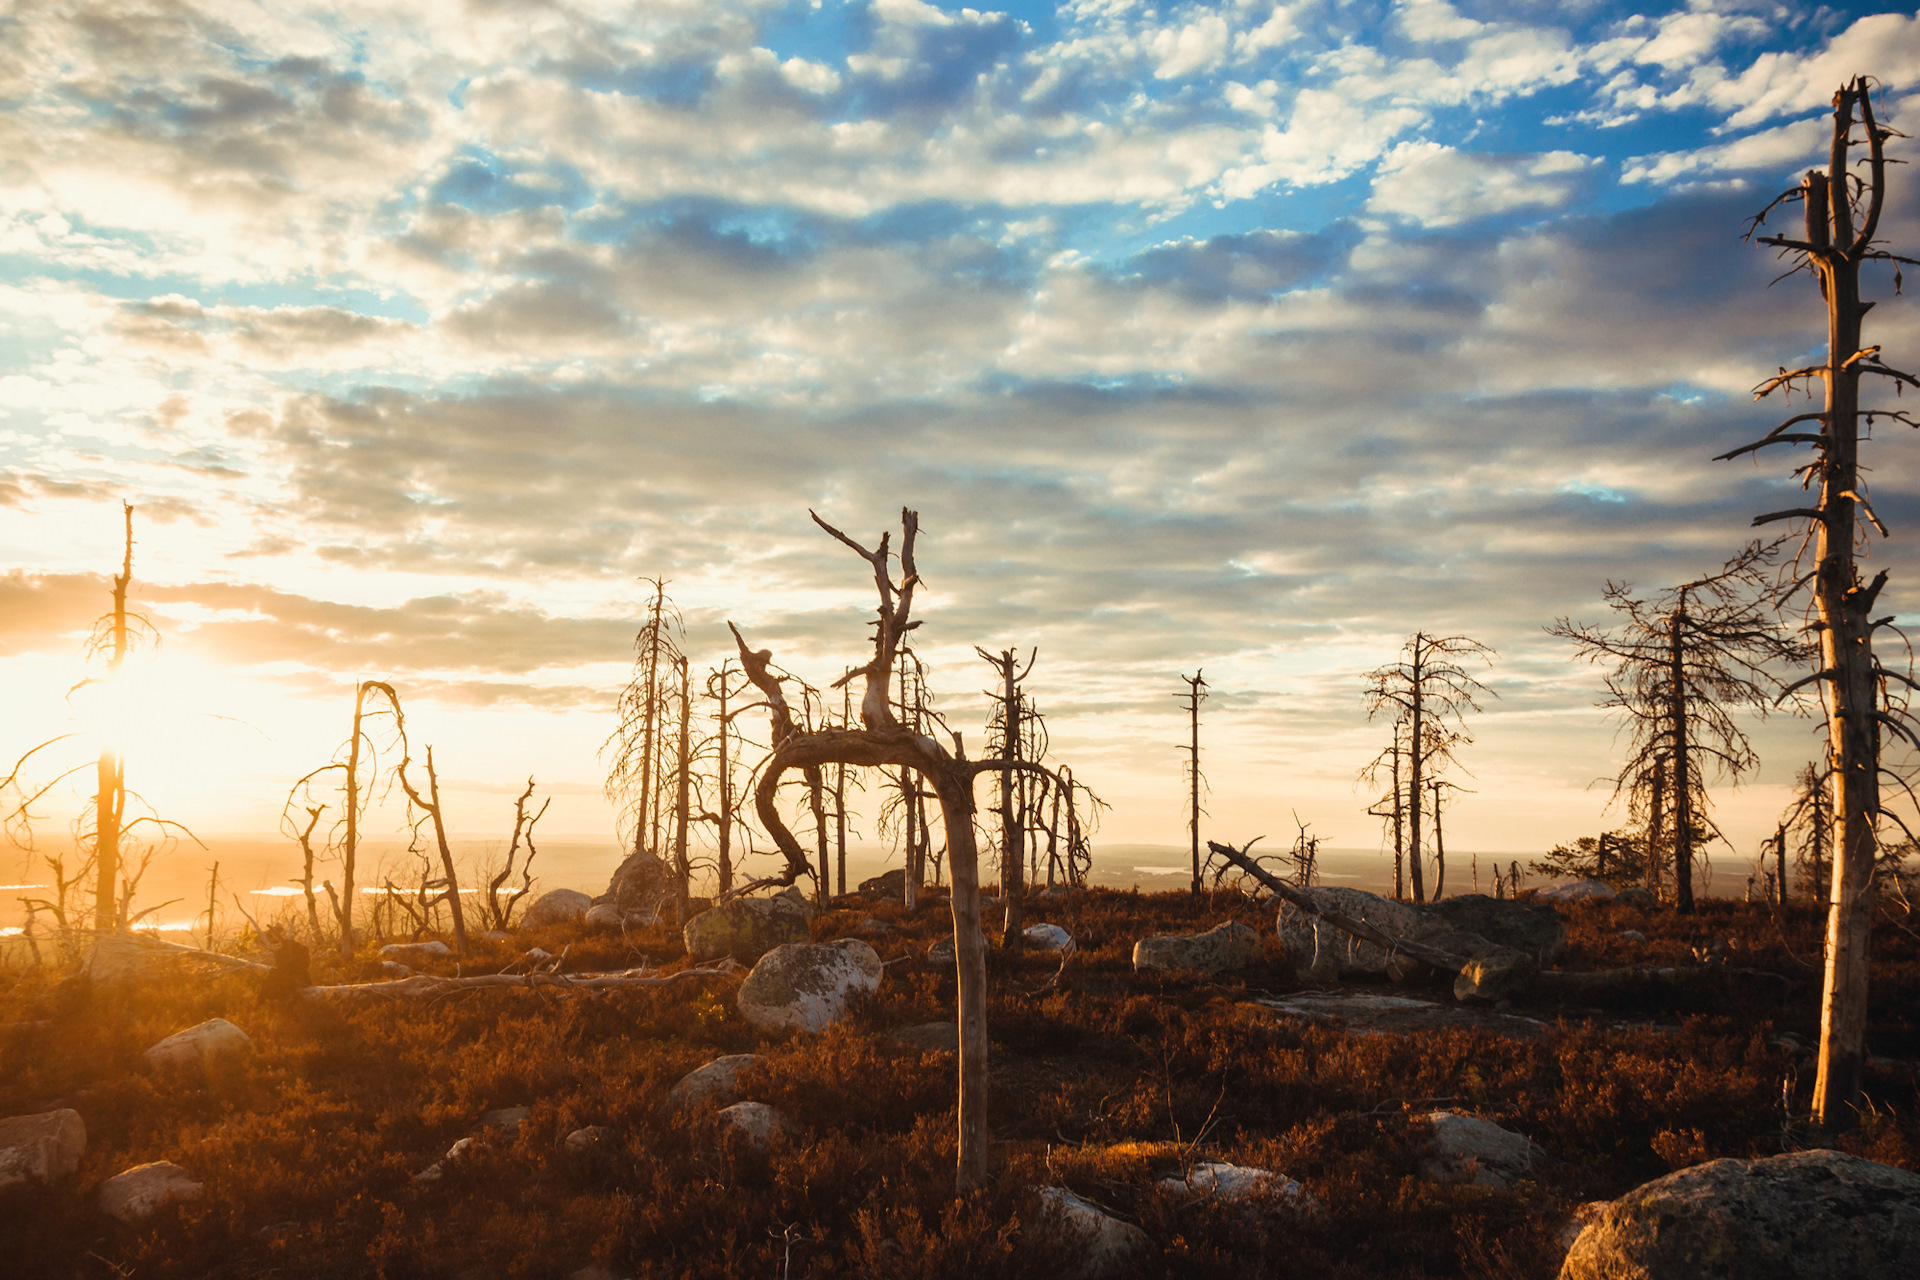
(393, 969)
(1048, 937)
(931, 1037)
(199, 1047)
(807, 987)
(887, 885)
(1475, 1150)
(874, 926)
(556, 906)
(41, 1148)
(745, 928)
(1499, 973)
(605, 915)
(508, 1120)
(594, 1140)
(1807, 1215)
(1632, 935)
(1578, 891)
(638, 886)
(1522, 926)
(1636, 896)
(1226, 946)
(798, 900)
(713, 1085)
(416, 953)
(145, 1189)
(748, 1128)
(1233, 1183)
(1102, 1245)
(1324, 953)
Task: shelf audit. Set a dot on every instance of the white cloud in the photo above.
(1439, 186)
(1198, 46)
(1772, 150)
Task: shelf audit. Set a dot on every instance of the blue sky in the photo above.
(1241, 335)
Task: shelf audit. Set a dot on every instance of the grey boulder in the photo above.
(145, 1189)
(1808, 1215)
(1048, 937)
(416, 952)
(1103, 1245)
(198, 1047)
(749, 1128)
(638, 886)
(1222, 948)
(556, 906)
(1473, 1149)
(41, 1148)
(712, 1085)
(805, 987)
(746, 928)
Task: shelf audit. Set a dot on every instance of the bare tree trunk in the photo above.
(349, 851)
(725, 823)
(1780, 862)
(1682, 764)
(1439, 847)
(430, 805)
(816, 801)
(644, 835)
(1656, 822)
(306, 874)
(1194, 686)
(110, 794)
(1414, 761)
(1399, 826)
(682, 870)
(1013, 852)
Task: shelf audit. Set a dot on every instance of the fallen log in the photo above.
(422, 985)
(1439, 957)
(120, 957)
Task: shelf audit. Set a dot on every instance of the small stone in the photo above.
(556, 906)
(41, 1148)
(1048, 937)
(1633, 936)
(1232, 1183)
(749, 1128)
(710, 1086)
(1222, 948)
(507, 1119)
(605, 916)
(145, 1189)
(394, 969)
(807, 987)
(460, 1150)
(198, 1047)
(431, 1174)
(592, 1140)
(1473, 1149)
(1106, 1246)
(417, 953)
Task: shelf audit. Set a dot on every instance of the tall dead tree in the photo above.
(429, 806)
(1428, 688)
(110, 793)
(1853, 684)
(639, 766)
(1007, 736)
(725, 743)
(1196, 694)
(1683, 662)
(1808, 825)
(358, 762)
(882, 741)
(683, 775)
(1389, 808)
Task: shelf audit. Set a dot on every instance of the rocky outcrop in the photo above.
(711, 1086)
(1472, 1149)
(1578, 891)
(199, 1047)
(1808, 1215)
(145, 1189)
(556, 906)
(1470, 925)
(888, 885)
(638, 887)
(1102, 1245)
(41, 1148)
(1220, 949)
(806, 987)
(745, 928)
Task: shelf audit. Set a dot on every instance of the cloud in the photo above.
(1439, 186)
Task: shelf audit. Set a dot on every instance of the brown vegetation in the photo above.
(1101, 1078)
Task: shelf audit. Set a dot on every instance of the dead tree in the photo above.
(1808, 823)
(882, 741)
(110, 796)
(429, 806)
(1305, 854)
(1196, 694)
(358, 763)
(1007, 737)
(639, 739)
(1853, 685)
(1389, 808)
(725, 744)
(498, 912)
(1682, 662)
(1430, 690)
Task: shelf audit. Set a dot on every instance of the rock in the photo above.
(1636, 896)
(496, 935)
(431, 1174)
(120, 958)
(1231, 1183)
(749, 1128)
(605, 915)
(798, 900)
(508, 1120)
(1226, 946)
(808, 987)
(1523, 926)
(594, 1140)
(1048, 937)
(1633, 936)
(460, 1150)
(1472, 1149)
(1578, 891)
(145, 1189)
(556, 906)
(1103, 1244)
(1498, 974)
(198, 1047)
(1324, 953)
(1577, 1222)
(1808, 1215)
(41, 1148)
(390, 969)
(875, 927)
(888, 884)
(713, 1085)
(931, 1037)
(638, 887)
(745, 928)
(416, 953)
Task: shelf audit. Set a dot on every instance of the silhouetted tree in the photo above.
(358, 763)
(641, 756)
(1195, 695)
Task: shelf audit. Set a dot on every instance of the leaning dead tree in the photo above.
(882, 741)
(1428, 693)
(1682, 663)
(1853, 684)
(430, 811)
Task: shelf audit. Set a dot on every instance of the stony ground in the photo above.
(1104, 1081)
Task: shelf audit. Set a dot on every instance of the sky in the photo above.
(1240, 337)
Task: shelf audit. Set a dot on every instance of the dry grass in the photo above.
(1101, 1079)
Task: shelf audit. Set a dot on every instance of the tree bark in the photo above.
(1414, 761)
(1682, 762)
(110, 793)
